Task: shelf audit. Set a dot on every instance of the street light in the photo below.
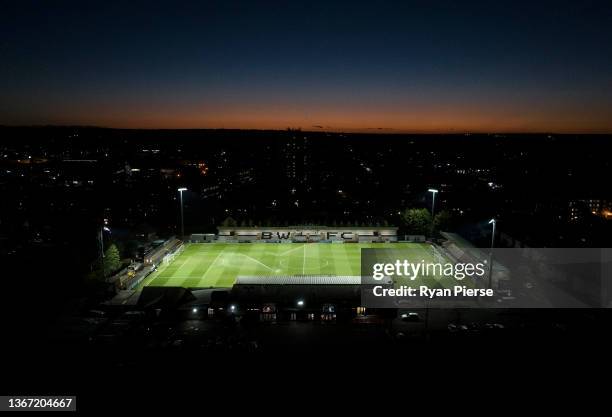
(433, 192)
(492, 222)
(103, 229)
(180, 190)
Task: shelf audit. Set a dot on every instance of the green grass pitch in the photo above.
(219, 264)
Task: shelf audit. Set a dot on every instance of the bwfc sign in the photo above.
(305, 235)
(309, 233)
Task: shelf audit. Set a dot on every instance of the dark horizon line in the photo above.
(365, 131)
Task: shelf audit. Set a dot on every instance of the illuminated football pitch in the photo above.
(208, 265)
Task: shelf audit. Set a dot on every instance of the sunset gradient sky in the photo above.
(423, 66)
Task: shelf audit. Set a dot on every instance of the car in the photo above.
(410, 317)
(96, 313)
(457, 328)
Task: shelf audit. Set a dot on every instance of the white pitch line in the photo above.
(291, 250)
(256, 261)
(283, 253)
(304, 262)
(213, 262)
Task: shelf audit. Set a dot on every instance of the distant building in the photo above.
(578, 209)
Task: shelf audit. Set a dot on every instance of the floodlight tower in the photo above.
(180, 190)
(103, 229)
(433, 192)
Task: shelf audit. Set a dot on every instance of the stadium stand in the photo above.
(156, 256)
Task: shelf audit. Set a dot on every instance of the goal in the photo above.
(170, 256)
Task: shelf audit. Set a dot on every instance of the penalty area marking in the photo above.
(256, 261)
(283, 253)
(225, 262)
(211, 265)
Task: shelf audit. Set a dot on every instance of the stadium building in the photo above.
(269, 273)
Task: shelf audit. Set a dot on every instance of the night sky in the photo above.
(426, 66)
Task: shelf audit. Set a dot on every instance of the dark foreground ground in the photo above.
(191, 365)
(51, 345)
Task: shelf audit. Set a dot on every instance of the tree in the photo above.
(443, 221)
(112, 260)
(417, 221)
(229, 222)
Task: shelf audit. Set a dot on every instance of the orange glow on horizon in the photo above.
(406, 119)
